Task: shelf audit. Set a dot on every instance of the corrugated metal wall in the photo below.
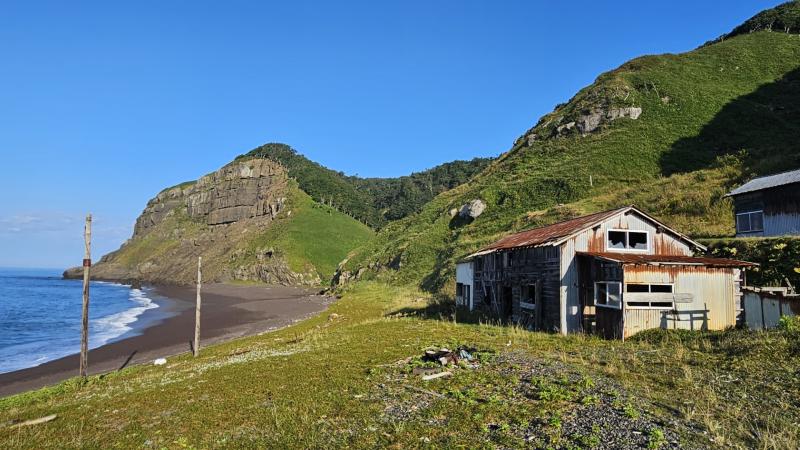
(661, 243)
(781, 224)
(763, 310)
(712, 305)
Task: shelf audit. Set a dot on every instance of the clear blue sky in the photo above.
(103, 104)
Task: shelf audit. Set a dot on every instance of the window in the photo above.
(637, 287)
(608, 294)
(459, 290)
(479, 263)
(508, 259)
(749, 222)
(530, 295)
(627, 240)
(640, 296)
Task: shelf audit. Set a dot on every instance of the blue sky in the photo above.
(104, 104)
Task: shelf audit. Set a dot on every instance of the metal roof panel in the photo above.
(769, 181)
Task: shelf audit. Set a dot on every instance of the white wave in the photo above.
(115, 325)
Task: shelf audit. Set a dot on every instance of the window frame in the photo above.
(750, 222)
(627, 232)
(606, 304)
(650, 302)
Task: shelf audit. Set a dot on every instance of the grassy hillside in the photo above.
(301, 246)
(315, 237)
(346, 380)
(374, 201)
(710, 118)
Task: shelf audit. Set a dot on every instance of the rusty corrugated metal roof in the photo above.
(550, 233)
(638, 258)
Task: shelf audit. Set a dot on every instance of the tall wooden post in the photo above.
(197, 309)
(87, 264)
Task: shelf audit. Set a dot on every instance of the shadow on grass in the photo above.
(765, 123)
(442, 307)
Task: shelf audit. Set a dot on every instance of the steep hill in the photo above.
(670, 133)
(248, 220)
(374, 201)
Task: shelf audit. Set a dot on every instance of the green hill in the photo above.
(670, 133)
(248, 220)
(374, 201)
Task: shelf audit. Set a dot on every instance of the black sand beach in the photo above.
(229, 312)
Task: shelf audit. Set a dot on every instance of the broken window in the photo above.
(617, 239)
(531, 295)
(608, 294)
(627, 240)
(749, 222)
(459, 290)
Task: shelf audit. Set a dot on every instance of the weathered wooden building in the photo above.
(614, 273)
(768, 206)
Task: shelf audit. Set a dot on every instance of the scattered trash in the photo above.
(160, 361)
(332, 317)
(447, 357)
(436, 375)
(44, 419)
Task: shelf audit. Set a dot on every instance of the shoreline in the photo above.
(229, 312)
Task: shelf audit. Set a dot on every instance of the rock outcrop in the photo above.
(243, 190)
(472, 209)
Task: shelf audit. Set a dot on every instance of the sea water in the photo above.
(40, 315)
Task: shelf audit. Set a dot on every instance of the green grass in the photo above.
(314, 236)
(712, 118)
(333, 381)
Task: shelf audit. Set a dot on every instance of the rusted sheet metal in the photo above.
(660, 259)
(665, 239)
(551, 233)
(713, 295)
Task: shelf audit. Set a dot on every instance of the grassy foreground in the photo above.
(344, 379)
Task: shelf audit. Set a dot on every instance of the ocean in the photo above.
(40, 315)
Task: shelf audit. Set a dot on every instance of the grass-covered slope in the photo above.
(314, 238)
(347, 381)
(374, 201)
(709, 119)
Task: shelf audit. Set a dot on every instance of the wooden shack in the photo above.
(614, 273)
(768, 206)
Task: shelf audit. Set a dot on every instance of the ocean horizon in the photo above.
(40, 315)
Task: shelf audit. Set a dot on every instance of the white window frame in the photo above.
(606, 305)
(630, 250)
(650, 306)
(747, 213)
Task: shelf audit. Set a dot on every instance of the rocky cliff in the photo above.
(240, 220)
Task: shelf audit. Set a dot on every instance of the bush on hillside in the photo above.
(778, 258)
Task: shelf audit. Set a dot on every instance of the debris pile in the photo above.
(446, 357)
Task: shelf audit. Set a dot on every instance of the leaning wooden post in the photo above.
(197, 308)
(87, 264)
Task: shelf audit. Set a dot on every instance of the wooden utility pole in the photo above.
(87, 264)
(197, 309)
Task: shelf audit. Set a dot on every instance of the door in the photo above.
(508, 297)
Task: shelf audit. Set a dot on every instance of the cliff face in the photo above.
(240, 220)
(244, 190)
